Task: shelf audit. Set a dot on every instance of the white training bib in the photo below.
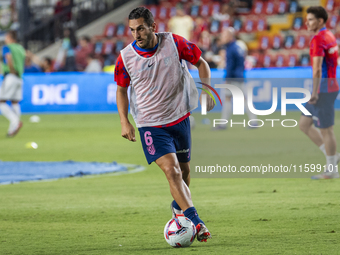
(162, 89)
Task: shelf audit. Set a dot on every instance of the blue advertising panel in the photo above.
(81, 92)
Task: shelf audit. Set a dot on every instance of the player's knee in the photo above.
(303, 127)
(326, 131)
(172, 172)
(186, 171)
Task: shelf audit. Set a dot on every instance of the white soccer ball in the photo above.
(179, 232)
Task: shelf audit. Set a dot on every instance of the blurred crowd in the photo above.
(74, 55)
(203, 23)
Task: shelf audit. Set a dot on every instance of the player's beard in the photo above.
(148, 41)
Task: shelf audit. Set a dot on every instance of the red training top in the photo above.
(324, 45)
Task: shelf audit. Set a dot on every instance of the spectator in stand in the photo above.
(66, 54)
(151, 2)
(244, 6)
(222, 59)
(200, 26)
(226, 13)
(30, 65)
(209, 57)
(94, 65)
(63, 13)
(204, 42)
(84, 49)
(216, 45)
(47, 65)
(181, 24)
(234, 74)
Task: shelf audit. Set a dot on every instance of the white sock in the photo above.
(17, 109)
(10, 115)
(322, 148)
(226, 110)
(332, 163)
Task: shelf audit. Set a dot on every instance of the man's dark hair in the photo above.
(13, 34)
(142, 12)
(86, 38)
(319, 12)
(48, 60)
(92, 56)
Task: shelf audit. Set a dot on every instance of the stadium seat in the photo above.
(258, 59)
(154, 10)
(298, 23)
(249, 26)
(205, 10)
(264, 42)
(267, 60)
(216, 7)
(172, 11)
(261, 25)
(107, 48)
(215, 27)
(330, 5)
(281, 7)
(293, 7)
(120, 30)
(224, 24)
(332, 20)
(119, 46)
(98, 48)
(258, 8)
(163, 13)
(301, 42)
(237, 25)
(269, 8)
(337, 36)
(277, 42)
(289, 42)
(305, 60)
(162, 26)
(110, 30)
(194, 12)
(292, 60)
(280, 60)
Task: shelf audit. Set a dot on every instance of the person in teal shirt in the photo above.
(12, 66)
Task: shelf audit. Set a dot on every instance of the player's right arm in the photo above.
(123, 80)
(317, 74)
(128, 130)
(6, 53)
(317, 54)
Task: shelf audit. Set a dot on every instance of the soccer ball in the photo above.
(179, 231)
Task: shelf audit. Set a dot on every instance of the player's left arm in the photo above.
(191, 53)
(317, 74)
(205, 75)
(10, 64)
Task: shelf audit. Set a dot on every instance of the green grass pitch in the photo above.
(126, 214)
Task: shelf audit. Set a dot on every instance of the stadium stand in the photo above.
(273, 30)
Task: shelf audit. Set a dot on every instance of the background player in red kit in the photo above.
(324, 55)
(162, 94)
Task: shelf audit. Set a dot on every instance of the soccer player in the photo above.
(324, 54)
(13, 63)
(235, 55)
(162, 94)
